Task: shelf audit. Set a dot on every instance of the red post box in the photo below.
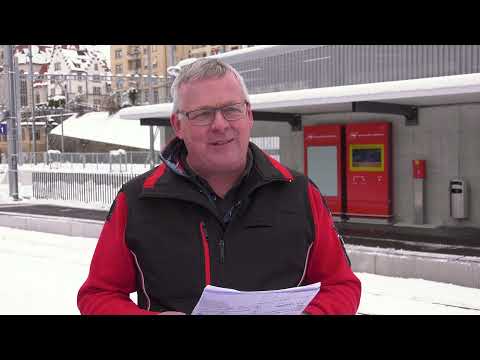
(419, 171)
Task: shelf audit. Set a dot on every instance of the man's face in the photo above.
(221, 147)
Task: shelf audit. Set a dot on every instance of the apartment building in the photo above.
(130, 69)
(130, 66)
(207, 50)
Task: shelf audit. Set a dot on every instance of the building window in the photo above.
(119, 83)
(95, 67)
(156, 100)
(119, 69)
(52, 92)
(23, 92)
(57, 66)
(97, 90)
(80, 89)
(37, 98)
(108, 88)
(118, 54)
(134, 65)
(37, 134)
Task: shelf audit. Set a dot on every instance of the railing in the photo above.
(97, 189)
(76, 177)
(129, 161)
(124, 162)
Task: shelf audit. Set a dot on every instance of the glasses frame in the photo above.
(214, 111)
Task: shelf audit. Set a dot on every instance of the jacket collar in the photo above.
(265, 167)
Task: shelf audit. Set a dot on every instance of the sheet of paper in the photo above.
(222, 301)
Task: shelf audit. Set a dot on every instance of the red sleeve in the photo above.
(340, 289)
(112, 271)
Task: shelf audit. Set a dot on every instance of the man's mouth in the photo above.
(221, 142)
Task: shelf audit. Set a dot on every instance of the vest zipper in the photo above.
(206, 253)
(222, 251)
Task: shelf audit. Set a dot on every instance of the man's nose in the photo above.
(219, 122)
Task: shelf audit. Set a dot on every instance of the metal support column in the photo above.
(12, 125)
(33, 106)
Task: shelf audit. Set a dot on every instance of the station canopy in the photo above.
(445, 90)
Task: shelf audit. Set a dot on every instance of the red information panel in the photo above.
(323, 162)
(368, 169)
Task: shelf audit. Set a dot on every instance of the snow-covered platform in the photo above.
(451, 257)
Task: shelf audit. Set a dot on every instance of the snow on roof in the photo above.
(99, 126)
(386, 91)
(40, 84)
(82, 59)
(40, 55)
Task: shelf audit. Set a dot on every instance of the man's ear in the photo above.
(176, 125)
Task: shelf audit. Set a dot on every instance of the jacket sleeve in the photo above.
(328, 264)
(112, 270)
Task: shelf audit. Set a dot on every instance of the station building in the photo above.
(389, 133)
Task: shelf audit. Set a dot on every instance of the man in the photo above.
(218, 211)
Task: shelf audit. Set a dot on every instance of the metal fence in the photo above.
(121, 162)
(99, 182)
(99, 189)
(129, 161)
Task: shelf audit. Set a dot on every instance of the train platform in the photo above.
(444, 254)
(441, 239)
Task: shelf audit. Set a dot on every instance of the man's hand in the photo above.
(172, 313)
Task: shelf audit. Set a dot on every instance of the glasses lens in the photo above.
(201, 117)
(234, 112)
(206, 116)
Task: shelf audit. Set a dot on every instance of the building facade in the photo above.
(79, 75)
(130, 67)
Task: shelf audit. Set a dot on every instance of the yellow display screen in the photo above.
(367, 157)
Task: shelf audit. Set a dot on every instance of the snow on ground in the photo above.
(43, 272)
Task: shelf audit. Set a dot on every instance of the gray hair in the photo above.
(205, 68)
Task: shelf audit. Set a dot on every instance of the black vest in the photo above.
(262, 246)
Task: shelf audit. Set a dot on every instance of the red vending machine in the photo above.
(323, 146)
(369, 169)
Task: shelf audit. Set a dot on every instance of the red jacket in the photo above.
(163, 239)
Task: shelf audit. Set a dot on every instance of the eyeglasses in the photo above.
(204, 117)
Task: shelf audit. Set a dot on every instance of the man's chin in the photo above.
(225, 166)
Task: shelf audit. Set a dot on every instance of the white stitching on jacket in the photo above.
(143, 280)
(306, 264)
